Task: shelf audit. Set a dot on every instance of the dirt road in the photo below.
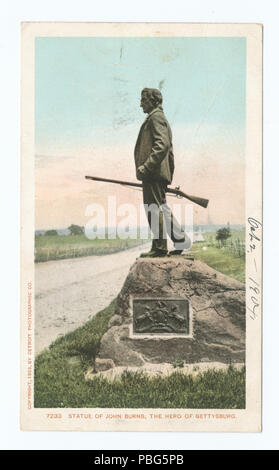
(69, 292)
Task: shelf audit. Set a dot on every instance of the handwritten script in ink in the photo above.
(255, 230)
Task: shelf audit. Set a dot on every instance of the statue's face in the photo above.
(145, 103)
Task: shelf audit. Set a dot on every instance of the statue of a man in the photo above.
(154, 167)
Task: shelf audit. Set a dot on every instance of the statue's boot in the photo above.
(154, 254)
(180, 252)
(175, 252)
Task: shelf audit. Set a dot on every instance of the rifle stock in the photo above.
(197, 200)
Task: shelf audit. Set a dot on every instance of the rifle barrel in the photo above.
(107, 180)
(197, 200)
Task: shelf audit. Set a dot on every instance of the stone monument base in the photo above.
(175, 309)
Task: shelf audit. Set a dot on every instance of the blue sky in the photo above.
(87, 118)
(84, 84)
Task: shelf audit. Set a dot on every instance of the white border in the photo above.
(248, 420)
(13, 13)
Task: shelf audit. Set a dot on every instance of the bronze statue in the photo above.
(154, 167)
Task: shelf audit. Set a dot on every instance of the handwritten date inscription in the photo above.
(161, 316)
(254, 234)
(255, 229)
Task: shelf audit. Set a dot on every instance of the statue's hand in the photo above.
(140, 172)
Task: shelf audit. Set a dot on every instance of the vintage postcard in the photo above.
(141, 227)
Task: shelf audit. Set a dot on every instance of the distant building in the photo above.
(198, 236)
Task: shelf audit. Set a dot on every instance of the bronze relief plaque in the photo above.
(161, 316)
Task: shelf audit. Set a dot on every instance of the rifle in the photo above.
(176, 191)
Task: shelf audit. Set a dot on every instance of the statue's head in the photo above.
(150, 99)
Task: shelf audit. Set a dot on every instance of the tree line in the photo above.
(74, 230)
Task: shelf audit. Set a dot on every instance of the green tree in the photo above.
(76, 229)
(222, 235)
(51, 232)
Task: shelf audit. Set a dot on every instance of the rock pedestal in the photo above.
(174, 309)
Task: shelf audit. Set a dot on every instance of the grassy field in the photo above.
(210, 237)
(234, 244)
(60, 382)
(223, 259)
(52, 247)
(59, 371)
